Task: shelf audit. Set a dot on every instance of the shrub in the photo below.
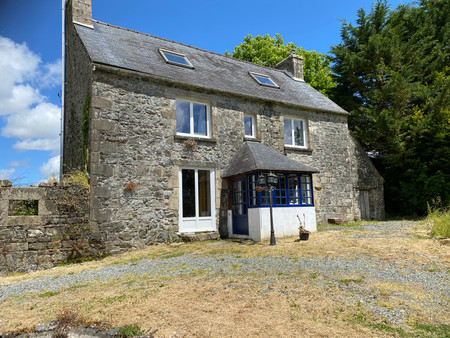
(439, 218)
(441, 223)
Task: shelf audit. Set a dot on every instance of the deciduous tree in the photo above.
(268, 51)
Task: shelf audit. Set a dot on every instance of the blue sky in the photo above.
(30, 56)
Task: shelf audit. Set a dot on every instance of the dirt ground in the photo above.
(301, 299)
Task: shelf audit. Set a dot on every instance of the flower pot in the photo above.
(304, 236)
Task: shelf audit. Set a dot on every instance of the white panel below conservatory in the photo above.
(284, 219)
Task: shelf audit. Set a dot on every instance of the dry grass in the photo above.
(203, 305)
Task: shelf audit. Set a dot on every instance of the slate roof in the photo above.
(254, 156)
(123, 48)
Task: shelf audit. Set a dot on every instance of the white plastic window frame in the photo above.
(191, 119)
(305, 138)
(198, 218)
(189, 65)
(253, 135)
(254, 76)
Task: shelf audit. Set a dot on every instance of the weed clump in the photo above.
(134, 330)
(66, 319)
(439, 218)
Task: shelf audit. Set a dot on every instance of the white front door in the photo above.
(197, 200)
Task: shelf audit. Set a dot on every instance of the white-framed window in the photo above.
(264, 80)
(249, 126)
(193, 118)
(176, 58)
(295, 132)
(197, 200)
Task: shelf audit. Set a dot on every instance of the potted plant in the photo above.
(303, 233)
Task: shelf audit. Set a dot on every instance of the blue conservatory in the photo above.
(292, 197)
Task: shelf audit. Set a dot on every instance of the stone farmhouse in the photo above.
(174, 139)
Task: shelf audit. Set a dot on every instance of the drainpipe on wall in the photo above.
(63, 62)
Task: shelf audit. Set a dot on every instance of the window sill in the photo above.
(195, 138)
(252, 139)
(298, 149)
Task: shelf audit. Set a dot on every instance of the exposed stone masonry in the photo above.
(59, 233)
(133, 123)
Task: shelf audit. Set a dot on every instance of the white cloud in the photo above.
(38, 122)
(28, 114)
(5, 174)
(51, 167)
(52, 74)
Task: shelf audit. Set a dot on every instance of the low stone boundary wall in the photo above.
(43, 226)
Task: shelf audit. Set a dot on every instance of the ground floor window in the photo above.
(292, 190)
(196, 200)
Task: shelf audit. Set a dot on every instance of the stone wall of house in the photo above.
(133, 139)
(78, 71)
(57, 232)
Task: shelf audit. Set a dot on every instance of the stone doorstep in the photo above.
(199, 236)
(334, 220)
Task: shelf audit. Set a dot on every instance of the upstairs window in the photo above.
(176, 58)
(192, 118)
(295, 132)
(249, 126)
(264, 80)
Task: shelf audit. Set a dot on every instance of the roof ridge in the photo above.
(186, 45)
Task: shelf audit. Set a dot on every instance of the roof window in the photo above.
(176, 58)
(264, 80)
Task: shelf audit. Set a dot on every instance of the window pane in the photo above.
(287, 131)
(264, 197)
(248, 124)
(252, 200)
(293, 189)
(265, 80)
(298, 129)
(183, 117)
(188, 184)
(200, 119)
(176, 58)
(204, 193)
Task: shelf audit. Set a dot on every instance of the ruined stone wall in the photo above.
(78, 70)
(58, 232)
(133, 139)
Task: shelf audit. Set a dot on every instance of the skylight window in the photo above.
(176, 58)
(264, 80)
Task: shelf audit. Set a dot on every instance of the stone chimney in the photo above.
(293, 64)
(80, 12)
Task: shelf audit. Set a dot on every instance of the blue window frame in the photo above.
(292, 190)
